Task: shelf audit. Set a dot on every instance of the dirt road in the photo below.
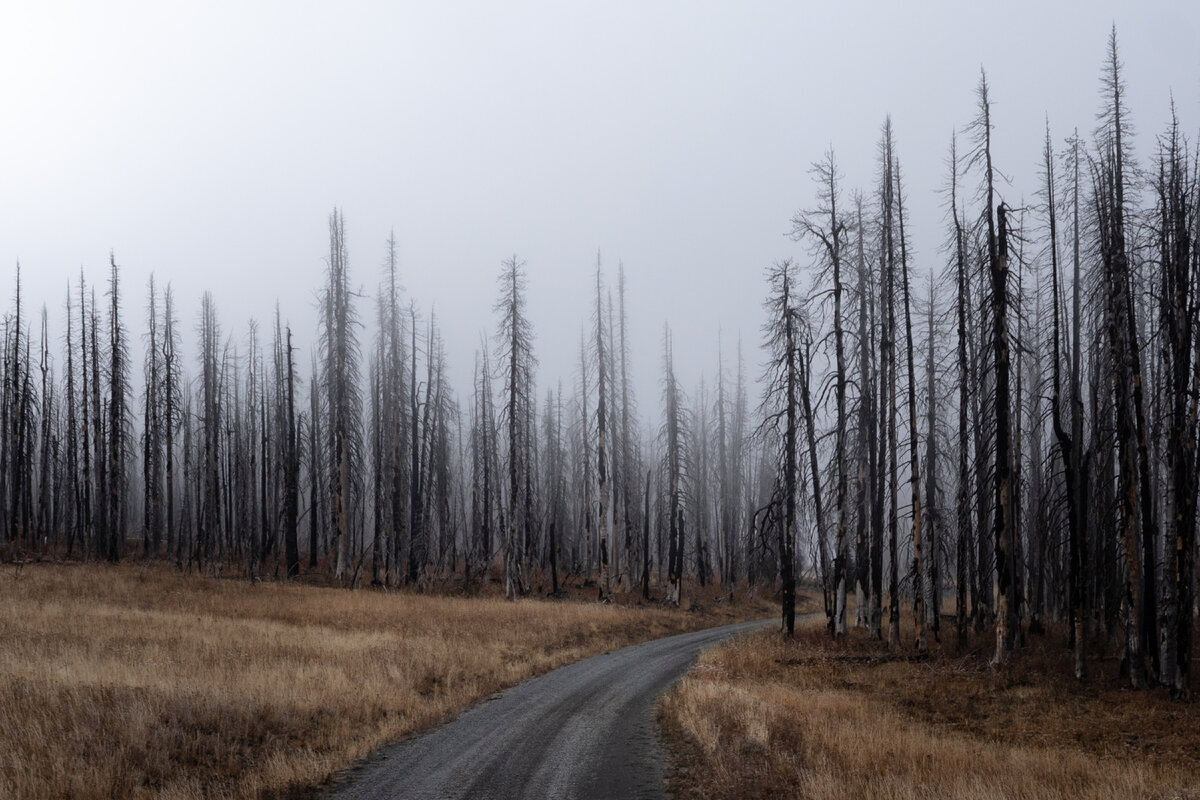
(584, 731)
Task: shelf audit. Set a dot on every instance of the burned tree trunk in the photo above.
(785, 383)
(913, 449)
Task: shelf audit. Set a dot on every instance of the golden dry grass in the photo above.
(122, 682)
(763, 717)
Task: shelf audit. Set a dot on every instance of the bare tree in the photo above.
(914, 470)
(887, 258)
(784, 384)
(628, 446)
(210, 514)
(340, 382)
(291, 466)
(602, 483)
(825, 226)
(958, 249)
(118, 422)
(1067, 442)
(152, 432)
(515, 337)
(1178, 210)
(997, 256)
(76, 523)
(171, 415)
(673, 436)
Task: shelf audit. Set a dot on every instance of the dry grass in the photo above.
(812, 718)
(120, 682)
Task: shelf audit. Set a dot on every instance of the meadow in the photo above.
(761, 716)
(141, 682)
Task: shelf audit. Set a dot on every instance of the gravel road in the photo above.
(583, 731)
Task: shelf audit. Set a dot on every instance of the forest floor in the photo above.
(127, 681)
(760, 716)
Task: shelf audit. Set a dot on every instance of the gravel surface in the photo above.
(583, 731)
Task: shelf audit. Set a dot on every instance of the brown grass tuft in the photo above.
(812, 718)
(129, 682)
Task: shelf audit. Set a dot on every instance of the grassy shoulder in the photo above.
(130, 682)
(760, 716)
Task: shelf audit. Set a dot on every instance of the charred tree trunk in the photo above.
(913, 447)
(291, 500)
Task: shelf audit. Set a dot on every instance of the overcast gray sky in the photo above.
(208, 141)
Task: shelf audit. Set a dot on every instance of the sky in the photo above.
(207, 142)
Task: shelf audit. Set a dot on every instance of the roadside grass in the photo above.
(141, 682)
(759, 716)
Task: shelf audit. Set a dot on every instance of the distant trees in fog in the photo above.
(1033, 458)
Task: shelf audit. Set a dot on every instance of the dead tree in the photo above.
(1067, 443)
(291, 467)
(887, 258)
(918, 521)
(171, 416)
(933, 525)
(1178, 212)
(118, 423)
(340, 382)
(76, 523)
(1137, 508)
(152, 433)
(626, 461)
(784, 385)
(673, 436)
(210, 509)
(963, 549)
(515, 339)
(997, 259)
(827, 229)
(602, 485)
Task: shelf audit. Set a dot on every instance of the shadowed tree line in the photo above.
(1018, 444)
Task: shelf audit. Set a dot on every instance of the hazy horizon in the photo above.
(208, 145)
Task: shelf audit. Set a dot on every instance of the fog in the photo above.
(208, 143)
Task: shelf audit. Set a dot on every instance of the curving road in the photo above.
(583, 731)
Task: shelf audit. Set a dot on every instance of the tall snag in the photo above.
(784, 383)
(1137, 507)
(997, 258)
(602, 483)
(913, 449)
(515, 337)
(342, 395)
(824, 225)
(1178, 198)
(673, 435)
(1067, 443)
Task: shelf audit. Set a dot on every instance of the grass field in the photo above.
(762, 717)
(128, 682)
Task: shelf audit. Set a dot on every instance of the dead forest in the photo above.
(1001, 433)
